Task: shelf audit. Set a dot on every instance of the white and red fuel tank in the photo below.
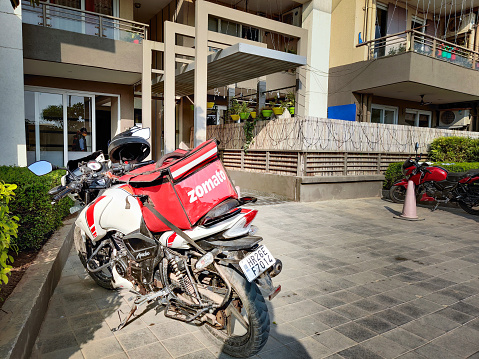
(115, 210)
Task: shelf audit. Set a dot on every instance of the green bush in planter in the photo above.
(8, 230)
(394, 173)
(38, 218)
(454, 149)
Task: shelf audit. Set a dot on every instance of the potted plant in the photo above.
(277, 109)
(292, 101)
(266, 111)
(252, 114)
(244, 110)
(234, 110)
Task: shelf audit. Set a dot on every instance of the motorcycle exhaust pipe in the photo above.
(276, 268)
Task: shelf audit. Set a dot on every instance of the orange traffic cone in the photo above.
(409, 207)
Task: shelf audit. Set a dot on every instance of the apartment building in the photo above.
(412, 63)
(105, 65)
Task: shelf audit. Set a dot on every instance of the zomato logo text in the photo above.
(207, 186)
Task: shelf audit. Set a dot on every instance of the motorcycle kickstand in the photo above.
(435, 207)
(124, 321)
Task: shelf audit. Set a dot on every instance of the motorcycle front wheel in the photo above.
(397, 194)
(85, 248)
(470, 208)
(247, 323)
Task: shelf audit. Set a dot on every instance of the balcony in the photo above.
(83, 22)
(64, 42)
(418, 42)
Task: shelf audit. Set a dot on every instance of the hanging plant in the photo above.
(248, 128)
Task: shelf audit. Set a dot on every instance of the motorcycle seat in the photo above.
(456, 176)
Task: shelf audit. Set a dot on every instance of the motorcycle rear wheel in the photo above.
(243, 342)
(85, 248)
(469, 208)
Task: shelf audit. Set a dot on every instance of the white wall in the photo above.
(12, 121)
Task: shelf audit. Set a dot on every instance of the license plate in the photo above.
(256, 263)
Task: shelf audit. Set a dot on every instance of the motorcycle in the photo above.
(434, 183)
(175, 234)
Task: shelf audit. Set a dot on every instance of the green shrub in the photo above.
(394, 173)
(454, 149)
(8, 229)
(38, 218)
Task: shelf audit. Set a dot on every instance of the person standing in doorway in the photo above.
(83, 139)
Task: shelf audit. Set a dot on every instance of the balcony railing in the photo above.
(83, 22)
(415, 41)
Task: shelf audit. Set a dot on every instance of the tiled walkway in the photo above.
(356, 284)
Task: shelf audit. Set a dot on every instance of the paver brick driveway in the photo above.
(356, 284)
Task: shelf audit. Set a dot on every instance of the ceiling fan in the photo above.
(422, 103)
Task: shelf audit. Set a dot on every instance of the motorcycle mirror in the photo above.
(41, 168)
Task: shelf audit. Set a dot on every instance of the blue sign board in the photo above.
(343, 112)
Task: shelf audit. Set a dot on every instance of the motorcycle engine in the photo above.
(439, 191)
(135, 260)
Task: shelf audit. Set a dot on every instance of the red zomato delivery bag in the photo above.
(185, 189)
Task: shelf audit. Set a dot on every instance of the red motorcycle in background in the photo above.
(434, 183)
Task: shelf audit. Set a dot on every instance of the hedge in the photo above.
(394, 173)
(454, 149)
(38, 218)
(8, 229)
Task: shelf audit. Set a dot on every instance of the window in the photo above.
(384, 114)
(418, 118)
(380, 29)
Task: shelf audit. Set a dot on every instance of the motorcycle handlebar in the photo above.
(62, 194)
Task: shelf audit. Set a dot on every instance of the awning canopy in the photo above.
(236, 63)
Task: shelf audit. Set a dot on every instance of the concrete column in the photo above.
(146, 92)
(201, 71)
(314, 84)
(12, 107)
(169, 89)
(230, 95)
(261, 95)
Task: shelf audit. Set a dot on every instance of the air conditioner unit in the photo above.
(460, 24)
(454, 118)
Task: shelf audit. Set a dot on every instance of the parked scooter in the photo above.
(173, 233)
(434, 183)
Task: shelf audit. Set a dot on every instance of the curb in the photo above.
(24, 310)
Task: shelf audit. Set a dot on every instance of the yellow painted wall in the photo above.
(126, 9)
(347, 20)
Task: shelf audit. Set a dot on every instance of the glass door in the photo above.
(79, 126)
(49, 132)
(59, 126)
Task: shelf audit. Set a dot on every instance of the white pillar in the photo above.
(201, 69)
(13, 149)
(169, 92)
(146, 95)
(317, 20)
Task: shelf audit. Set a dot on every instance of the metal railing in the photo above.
(83, 22)
(415, 41)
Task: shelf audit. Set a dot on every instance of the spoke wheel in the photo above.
(85, 249)
(246, 319)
